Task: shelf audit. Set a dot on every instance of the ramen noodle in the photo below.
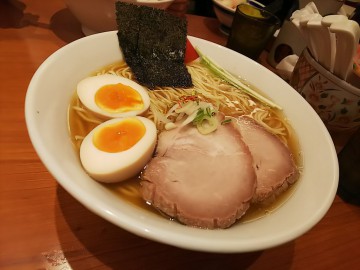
(227, 99)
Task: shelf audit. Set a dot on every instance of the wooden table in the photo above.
(43, 227)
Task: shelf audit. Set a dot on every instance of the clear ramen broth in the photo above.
(228, 100)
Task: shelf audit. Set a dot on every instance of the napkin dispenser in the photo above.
(289, 40)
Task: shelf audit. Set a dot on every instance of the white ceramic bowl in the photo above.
(99, 15)
(47, 101)
(224, 11)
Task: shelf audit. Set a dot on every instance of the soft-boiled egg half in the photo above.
(118, 149)
(113, 96)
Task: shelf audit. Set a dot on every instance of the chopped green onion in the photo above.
(202, 113)
(199, 116)
(207, 125)
(205, 120)
(228, 77)
(226, 121)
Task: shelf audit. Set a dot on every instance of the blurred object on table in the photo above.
(281, 8)
(332, 40)
(336, 101)
(352, 2)
(325, 74)
(325, 7)
(354, 76)
(355, 15)
(251, 30)
(13, 15)
(289, 39)
(99, 15)
(195, 7)
(203, 8)
(286, 66)
(224, 9)
(349, 161)
(179, 7)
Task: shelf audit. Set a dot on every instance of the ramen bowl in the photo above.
(99, 15)
(336, 101)
(46, 108)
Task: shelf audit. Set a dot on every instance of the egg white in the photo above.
(87, 88)
(115, 167)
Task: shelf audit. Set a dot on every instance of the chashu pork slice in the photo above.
(203, 181)
(274, 164)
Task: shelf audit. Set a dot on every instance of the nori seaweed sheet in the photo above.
(153, 43)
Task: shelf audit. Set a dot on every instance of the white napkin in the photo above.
(286, 66)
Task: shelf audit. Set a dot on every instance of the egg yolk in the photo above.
(120, 136)
(118, 98)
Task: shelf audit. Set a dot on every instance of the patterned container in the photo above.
(336, 101)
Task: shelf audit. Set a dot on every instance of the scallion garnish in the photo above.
(226, 121)
(228, 77)
(205, 120)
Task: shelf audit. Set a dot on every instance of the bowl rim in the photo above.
(183, 240)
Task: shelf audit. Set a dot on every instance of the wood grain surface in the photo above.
(43, 227)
